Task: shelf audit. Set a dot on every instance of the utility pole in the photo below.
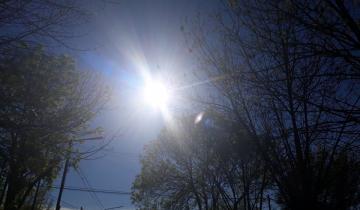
(66, 167)
(62, 184)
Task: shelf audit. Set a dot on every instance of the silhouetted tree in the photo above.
(46, 22)
(198, 166)
(47, 103)
(288, 72)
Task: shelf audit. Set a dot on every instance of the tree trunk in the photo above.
(2, 195)
(10, 197)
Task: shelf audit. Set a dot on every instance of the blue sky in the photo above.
(130, 35)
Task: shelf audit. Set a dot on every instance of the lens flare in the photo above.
(199, 117)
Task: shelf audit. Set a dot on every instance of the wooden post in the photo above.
(58, 205)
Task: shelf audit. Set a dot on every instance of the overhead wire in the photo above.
(88, 185)
(95, 190)
(66, 203)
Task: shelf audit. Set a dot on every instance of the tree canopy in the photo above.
(47, 104)
(200, 166)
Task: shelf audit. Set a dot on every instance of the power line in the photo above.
(95, 190)
(116, 207)
(66, 203)
(69, 204)
(88, 185)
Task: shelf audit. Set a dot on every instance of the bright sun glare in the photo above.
(156, 94)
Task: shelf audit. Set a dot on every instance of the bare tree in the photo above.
(198, 166)
(274, 75)
(29, 23)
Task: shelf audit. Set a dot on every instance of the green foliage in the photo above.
(46, 103)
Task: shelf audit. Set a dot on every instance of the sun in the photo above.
(156, 93)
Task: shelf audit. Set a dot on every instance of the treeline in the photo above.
(280, 128)
(46, 102)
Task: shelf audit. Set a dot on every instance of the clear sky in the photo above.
(131, 36)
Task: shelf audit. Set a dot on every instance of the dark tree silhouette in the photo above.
(299, 103)
(199, 166)
(46, 22)
(286, 73)
(46, 105)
